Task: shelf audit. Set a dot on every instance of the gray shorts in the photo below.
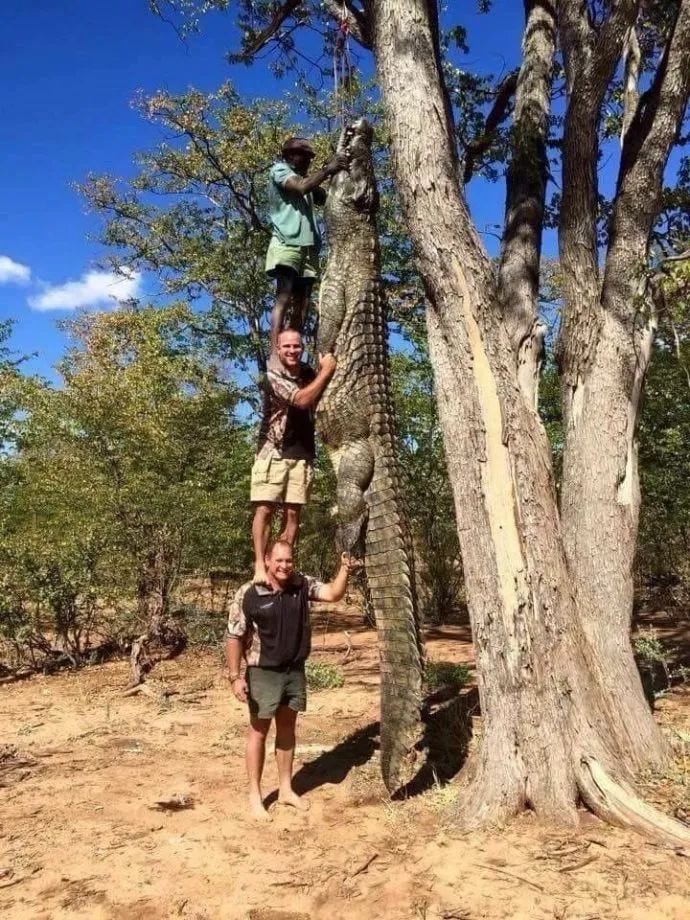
(270, 688)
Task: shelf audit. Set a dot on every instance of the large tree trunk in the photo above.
(607, 340)
(547, 718)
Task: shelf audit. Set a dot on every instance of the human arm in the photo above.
(307, 396)
(305, 184)
(234, 650)
(334, 590)
(235, 643)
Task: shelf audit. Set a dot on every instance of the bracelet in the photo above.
(234, 677)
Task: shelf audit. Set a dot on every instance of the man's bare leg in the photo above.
(256, 755)
(285, 284)
(261, 526)
(290, 531)
(285, 754)
(301, 295)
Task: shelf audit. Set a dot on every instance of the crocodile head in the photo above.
(356, 186)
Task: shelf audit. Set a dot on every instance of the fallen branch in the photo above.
(139, 688)
(512, 875)
(14, 881)
(364, 866)
(620, 805)
(18, 675)
(573, 867)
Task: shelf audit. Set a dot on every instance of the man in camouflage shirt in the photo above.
(268, 627)
(284, 463)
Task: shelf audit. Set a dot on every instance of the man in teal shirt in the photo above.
(292, 257)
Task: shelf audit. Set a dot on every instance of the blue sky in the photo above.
(70, 70)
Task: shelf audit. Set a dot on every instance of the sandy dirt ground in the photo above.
(82, 834)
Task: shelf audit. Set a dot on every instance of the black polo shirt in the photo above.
(280, 623)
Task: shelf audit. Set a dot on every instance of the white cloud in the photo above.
(13, 272)
(93, 289)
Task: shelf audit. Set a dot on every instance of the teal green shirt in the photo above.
(291, 214)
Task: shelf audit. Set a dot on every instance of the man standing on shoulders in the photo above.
(284, 464)
(292, 257)
(269, 627)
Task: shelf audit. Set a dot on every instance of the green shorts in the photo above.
(303, 260)
(270, 688)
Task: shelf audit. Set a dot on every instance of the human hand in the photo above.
(240, 689)
(351, 563)
(327, 363)
(340, 161)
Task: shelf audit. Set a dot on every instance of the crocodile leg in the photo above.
(354, 473)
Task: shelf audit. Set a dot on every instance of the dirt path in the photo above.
(82, 836)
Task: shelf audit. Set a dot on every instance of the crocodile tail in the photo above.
(390, 575)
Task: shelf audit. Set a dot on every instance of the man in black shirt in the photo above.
(284, 463)
(268, 626)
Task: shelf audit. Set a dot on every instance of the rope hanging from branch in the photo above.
(342, 67)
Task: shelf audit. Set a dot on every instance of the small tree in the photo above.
(140, 455)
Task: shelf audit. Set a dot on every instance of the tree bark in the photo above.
(518, 273)
(153, 604)
(547, 716)
(600, 491)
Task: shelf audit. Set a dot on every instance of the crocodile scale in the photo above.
(355, 420)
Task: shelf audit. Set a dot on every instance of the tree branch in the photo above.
(359, 21)
(631, 95)
(648, 143)
(591, 56)
(518, 273)
(264, 37)
(498, 114)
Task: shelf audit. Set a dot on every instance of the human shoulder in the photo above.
(237, 621)
(312, 585)
(279, 380)
(280, 172)
(241, 592)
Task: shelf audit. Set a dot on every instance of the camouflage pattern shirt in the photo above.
(286, 431)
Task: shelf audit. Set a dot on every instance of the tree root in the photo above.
(618, 804)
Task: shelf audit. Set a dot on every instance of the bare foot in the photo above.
(257, 810)
(259, 576)
(291, 798)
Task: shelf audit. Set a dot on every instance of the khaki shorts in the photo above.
(276, 481)
(301, 259)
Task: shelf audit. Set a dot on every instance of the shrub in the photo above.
(445, 674)
(323, 676)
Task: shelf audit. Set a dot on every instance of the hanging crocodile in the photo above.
(355, 421)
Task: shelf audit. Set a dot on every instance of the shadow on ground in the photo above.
(447, 717)
(332, 766)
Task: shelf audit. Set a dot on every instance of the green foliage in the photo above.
(664, 436)
(445, 674)
(426, 488)
(194, 214)
(648, 647)
(323, 676)
(131, 474)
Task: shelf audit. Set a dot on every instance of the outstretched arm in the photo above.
(335, 590)
(305, 184)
